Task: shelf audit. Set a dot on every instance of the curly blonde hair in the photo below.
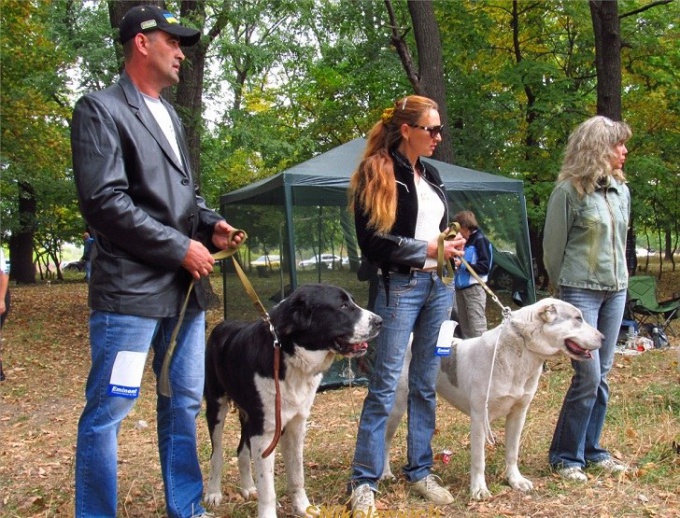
(590, 149)
(373, 185)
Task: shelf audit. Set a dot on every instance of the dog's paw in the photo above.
(519, 483)
(480, 493)
(311, 511)
(301, 505)
(249, 493)
(213, 498)
(387, 475)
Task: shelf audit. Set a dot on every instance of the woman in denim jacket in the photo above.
(400, 208)
(584, 253)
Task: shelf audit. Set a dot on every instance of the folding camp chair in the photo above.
(644, 306)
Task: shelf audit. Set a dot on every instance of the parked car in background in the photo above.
(328, 260)
(73, 266)
(644, 252)
(271, 260)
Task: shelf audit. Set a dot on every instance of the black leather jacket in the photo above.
(140, 201)
(398, 251)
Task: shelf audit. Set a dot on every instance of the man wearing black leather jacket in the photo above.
(153, 235)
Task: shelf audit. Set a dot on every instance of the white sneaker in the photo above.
(362, 499)
(610, 465)
(431, 491)
(573, 473)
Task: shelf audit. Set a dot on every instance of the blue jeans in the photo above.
(576, 441)
(97, 449)
(418, 302)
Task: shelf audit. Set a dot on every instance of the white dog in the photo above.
(530, 336)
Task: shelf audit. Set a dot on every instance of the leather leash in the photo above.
(248, 287)
(164, 379)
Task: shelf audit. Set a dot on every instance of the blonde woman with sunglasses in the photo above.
(400, 208)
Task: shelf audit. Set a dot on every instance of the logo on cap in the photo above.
(148, 24)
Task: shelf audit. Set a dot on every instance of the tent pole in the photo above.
(525, 231)
(288, 208)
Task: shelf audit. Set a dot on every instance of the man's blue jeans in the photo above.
(418, 303)
(576, 440)
(97, 448)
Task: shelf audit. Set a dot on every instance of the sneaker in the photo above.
(362, 499)
(573, 473)
(431, 491)
(610, 465)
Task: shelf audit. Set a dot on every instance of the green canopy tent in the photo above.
(301, 212)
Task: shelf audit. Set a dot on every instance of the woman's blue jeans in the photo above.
(576, 441)
(97, 447)
(418, 302)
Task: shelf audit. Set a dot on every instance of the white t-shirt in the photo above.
(430, 213)
(160, 113)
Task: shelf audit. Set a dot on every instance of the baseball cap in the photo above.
(147, 18)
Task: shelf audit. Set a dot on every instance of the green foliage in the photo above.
(34, 121)
(286, 80)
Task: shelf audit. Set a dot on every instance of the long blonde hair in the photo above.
(373, 185)
(587, 158)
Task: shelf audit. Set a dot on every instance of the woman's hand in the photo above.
(452, 247)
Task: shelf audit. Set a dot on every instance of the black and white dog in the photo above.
(314, 324)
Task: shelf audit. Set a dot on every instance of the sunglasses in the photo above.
(432, 130)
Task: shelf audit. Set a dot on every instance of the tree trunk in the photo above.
(606, 28)
(21, 242)
(428, 80)
(431, 68)
(188, 99)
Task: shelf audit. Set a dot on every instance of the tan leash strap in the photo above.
(164, 377)
(483, 284)
(441, 261)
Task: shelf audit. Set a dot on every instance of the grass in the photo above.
(46, 356)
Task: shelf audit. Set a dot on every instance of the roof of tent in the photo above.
(330, 172)
(324, 179)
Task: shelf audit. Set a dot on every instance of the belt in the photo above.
(402, 268)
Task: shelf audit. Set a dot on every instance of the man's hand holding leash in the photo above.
(199, 261)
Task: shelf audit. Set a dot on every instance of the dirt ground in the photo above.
(46, 356)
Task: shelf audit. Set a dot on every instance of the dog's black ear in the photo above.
(297, 317)
(548, 313)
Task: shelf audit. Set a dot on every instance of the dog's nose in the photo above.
(376, 320)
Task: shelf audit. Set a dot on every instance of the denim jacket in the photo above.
(584, 238)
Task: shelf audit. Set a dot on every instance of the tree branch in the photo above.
(644, 8)
(402, 49)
